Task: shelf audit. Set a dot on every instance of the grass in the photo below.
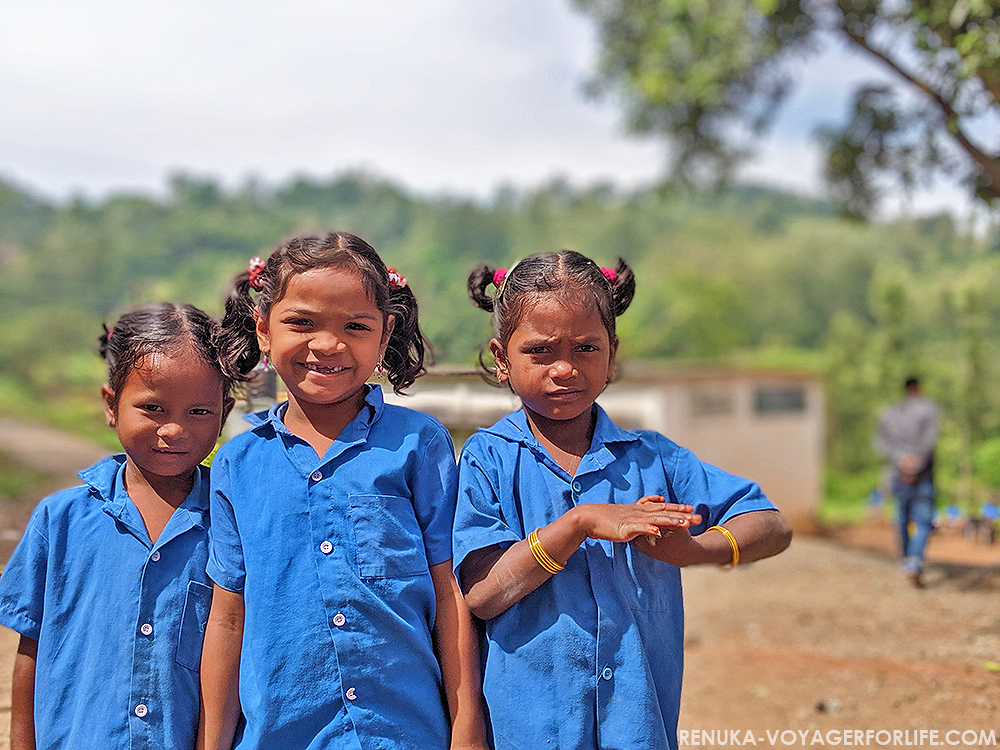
(16, 481)
(845, 499)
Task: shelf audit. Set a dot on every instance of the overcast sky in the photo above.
(439, 95)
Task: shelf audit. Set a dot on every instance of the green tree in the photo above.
(709, 75)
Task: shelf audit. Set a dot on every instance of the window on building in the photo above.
(778, 399)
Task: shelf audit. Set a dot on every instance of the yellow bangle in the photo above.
(541, 556)
(732, 543)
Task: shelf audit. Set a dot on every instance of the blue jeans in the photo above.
(915, 503)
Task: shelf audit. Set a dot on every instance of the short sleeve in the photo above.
(715, 494)
(225, 549)
(479, 518)
(434, 487)
(22, 584)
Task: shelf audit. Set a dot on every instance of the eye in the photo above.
(298, 323)
(201, 412)
(587, 348)
(355, 326)
(151, 407)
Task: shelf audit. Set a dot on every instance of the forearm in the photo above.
(458, 654)
(510, 574)
(220, 672)
(758, 534)
(22, 700)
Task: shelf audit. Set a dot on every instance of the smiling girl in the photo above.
(337, 621)
(107, 586)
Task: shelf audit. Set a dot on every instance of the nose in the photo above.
(561, 368)
(169, 430)
(325, 342)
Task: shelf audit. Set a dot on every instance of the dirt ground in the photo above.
(828, 636)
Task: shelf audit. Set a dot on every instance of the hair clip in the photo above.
(396, 281)
(610, 274)
(256, 271)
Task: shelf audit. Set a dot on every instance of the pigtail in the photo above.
(622, 288)
(237, 344)
(404, 354)
(479, 280)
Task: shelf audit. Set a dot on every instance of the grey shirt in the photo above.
(909, 427)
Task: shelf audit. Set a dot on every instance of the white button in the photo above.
(141, 710)
(326, 547)
(317, 475)
(577, 486)
(350, 694)
(155, 556)
(607, 673)
(146, 629)
(339, 620)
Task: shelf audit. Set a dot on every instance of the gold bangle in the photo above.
(541, 556)
(732, 543)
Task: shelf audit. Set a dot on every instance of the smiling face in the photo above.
(324, 337)
(168, 414)
(558, 360)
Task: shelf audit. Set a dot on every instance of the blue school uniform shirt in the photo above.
(593, 657)
(119, 620)
(332, 556)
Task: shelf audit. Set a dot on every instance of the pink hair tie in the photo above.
(256, 270)
(498, 276)
(610, 274)
(396, 281)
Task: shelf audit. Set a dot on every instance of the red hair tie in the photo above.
(610, 274)
(396, 280)
(256, 270)
(498, 276)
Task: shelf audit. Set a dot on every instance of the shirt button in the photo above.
(317, 475)
(155, 556)
(606, 674)
(577, 486)
(350, 694)
(326, 547)
(146, 629)
(141, 710)
(339, 620)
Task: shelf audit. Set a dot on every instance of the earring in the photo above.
(265, 362)
(380, 368)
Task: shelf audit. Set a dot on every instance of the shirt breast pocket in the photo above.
(193, 620)
(388, 538)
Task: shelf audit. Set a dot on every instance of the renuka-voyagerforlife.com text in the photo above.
(848, 737)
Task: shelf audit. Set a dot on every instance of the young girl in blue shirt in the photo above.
(570, 531)
(336, 620)
(107, 587)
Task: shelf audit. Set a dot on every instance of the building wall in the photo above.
(764, 425)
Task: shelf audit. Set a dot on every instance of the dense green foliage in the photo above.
(746, 276)
(708, 75)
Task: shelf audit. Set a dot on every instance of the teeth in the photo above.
(324, 370)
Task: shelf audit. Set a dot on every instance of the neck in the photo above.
(568, 440)
(155, 497)
(320, 424)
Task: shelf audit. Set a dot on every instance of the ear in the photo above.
(227, 406)
(502, 367)
(110, 403)
(387, 329)
(612, 369)
(263, 332)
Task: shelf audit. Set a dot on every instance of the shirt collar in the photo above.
(107, 480)
(514, 427)
(270, 423)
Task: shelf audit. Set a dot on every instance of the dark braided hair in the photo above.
(162, 328)
(568, 274)
(404, 354)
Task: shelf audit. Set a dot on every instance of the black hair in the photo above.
(162, 328)
(404, 354)
(566, 273)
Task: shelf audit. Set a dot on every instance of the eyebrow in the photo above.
(314, 312)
